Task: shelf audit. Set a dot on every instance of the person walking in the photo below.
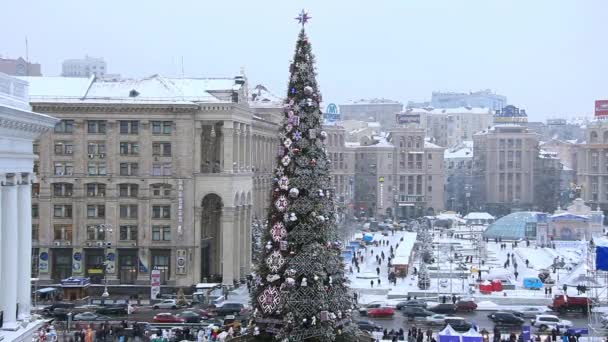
(371, 282)
(378, 270)
(429, 334)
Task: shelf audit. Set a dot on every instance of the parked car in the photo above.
(369, 326)
(89, 316)
(206, 313)
(166, 304)
(415, 311)
(189, 316)
(383, 311)
(444, 308)
(374, 305)
(505, 318)
(49, 309)
(466, 305)
(458, 323)
(436, 319)
(113, 309)
(230, 308)
(167, 317)
(412, 302)
(545, 322)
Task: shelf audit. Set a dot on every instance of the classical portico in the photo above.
(19, 126)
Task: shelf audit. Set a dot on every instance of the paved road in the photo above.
(479, 318)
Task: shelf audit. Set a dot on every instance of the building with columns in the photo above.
(153, 173)
(19, 127)
(592, 165)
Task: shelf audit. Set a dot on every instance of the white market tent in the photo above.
(478, 218)
(472, 336)
(449, 335)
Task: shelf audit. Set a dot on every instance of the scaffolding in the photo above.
(595, 282)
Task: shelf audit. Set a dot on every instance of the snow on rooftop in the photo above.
(478, 216)
(428, 144)
(448, 111)
(260, 96)
(153, 88)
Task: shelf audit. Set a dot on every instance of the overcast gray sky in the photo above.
(549, 57)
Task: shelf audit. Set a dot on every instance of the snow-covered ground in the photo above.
(493, 261)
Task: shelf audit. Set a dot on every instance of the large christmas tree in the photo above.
(301, 292)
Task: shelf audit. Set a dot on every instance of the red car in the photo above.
(167, 318)
(466, 305)
(382, 311)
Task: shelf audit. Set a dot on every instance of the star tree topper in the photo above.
(303, 17)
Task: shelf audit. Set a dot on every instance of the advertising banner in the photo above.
(403, 119)
(43, 260)
(601, 108)
(155, 284)
(332, 113)
(110, 261)
(77, 258)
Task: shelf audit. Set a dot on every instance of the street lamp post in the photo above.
(106, 228)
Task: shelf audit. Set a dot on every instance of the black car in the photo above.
(369, 326)
(229, 309)
(459, 324)
(505, 318)
(113, 309)
(51, 308)
(443, 308)
(415, 311)
(412, 302)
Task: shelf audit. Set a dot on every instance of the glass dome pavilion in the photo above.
(515, 226)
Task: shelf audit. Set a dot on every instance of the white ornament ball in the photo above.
(323, 135)
(308, 90)
(294, 192)
(316, 277)
(321, 218)
(292, 217)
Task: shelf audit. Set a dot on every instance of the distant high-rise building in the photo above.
(379, 110)
(84, 67)
(19, 67)
(483, 98)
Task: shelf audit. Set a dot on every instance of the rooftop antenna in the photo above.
(182, 66)
(27, 58)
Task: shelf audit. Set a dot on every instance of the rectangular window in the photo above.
(34, 210)
(128, 211)
(129, 169)
(164, 169)
(63, 190)
(96, 168)
(129, 127)
(161, 211)
(161, 190)
(129, 148)
(35, 232)
(161, 233)
(161, 149)
(64, 148)
(161, 127)
(65, 127)
(62, 211)
(62, 232)
(63, 169)
(128, 233)
(96, 148)
(96, 190)
(128, 190)
(95, 232)
(96, 126)
(96, 211)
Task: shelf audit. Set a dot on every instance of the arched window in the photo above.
(593, 137)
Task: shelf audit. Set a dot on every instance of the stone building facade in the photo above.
(153, 173)
(576, 223)
(592, 165)
(399, 175)
(504, 161)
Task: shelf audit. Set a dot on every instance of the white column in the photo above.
(227, 146)
(237, 143)
(9, 256)
(227, 221)
(248, 143)
(24, 194)
(247, 239)
(238, 217)
(2, 179)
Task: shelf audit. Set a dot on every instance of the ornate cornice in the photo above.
(114, 107)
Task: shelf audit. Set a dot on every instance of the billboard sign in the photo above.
(403, 119)
(155, 284)
(601, 108)
(332, 113)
